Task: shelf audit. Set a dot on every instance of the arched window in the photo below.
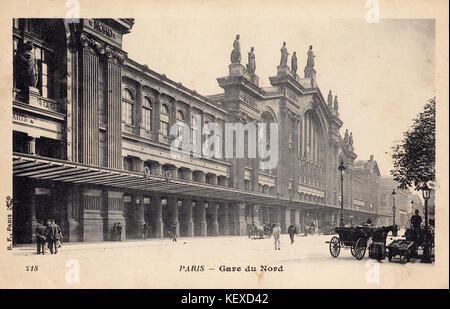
(180, 124)
(147, 113)
(164, 120)
(127, 106)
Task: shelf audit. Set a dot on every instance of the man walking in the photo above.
(276, 236)
(52, 236)
(119, 231)
(40, 233)
(292, 230)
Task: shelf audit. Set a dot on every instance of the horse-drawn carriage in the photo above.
(356, 238)
(260, 231)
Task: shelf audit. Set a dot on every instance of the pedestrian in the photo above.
(174, 232)
(40, 232)
(52, 236)
(114, 232)
(416, 220)
(276, 232)
(144, 230)
(119, 231)
(292, 230)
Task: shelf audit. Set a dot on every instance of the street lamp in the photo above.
(393, 204)
(426, 246)
(342, 169)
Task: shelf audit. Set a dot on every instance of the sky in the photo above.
(383, 73)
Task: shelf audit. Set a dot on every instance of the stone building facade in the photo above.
(92, 136)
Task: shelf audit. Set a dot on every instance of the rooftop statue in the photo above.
(346, 137)
(251, 66)
(236, 53)
(336, 106)
(294, 63)
(350, 139)
(284, 55)
(310, 61)
(330, 99)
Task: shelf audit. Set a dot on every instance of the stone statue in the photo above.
(336, 106)
(251, 66)
(310, 61)
(25, 67)
(346, 137)
(284, 55)
(330, 99)
(236, 53)
(294, 63)
(350, 139)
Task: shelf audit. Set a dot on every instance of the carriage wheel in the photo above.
(335, 247)
(360, 248)
(352, 250)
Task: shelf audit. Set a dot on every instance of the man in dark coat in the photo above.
(119, 231)
(416, 220)
(114, 232)
(52, 236)
(292, 230)
(40, 232)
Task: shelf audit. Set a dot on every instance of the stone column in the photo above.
(172, 203)
(297, 218)
(33, 214)
(241, 223)
(187, 174)
(114, 213)
(114, 111)
(91, 200)
(231, 219)
(200, 218)
(201, 176)
(139, 215)
(138, 165)
(89, 107)
(32, 147)
(255, 215)
(224, 228)
(285, 218)
(213, 207)
(156, 169)
(188, 224)
(157, 212)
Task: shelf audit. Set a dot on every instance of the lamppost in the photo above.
(342, 169)
(426, 246)
(393, 205)
(411, 211)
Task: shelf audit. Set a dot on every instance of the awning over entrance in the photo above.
(41, 168)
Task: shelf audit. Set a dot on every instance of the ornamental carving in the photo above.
(99, 47)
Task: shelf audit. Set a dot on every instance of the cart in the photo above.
(355, 238)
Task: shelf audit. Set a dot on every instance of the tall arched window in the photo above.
(127, 106)
(147, 114)
(180, 123)
(164, 120)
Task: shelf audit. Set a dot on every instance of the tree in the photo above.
(414, 159)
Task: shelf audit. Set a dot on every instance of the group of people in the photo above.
(117, 232)
(276, 232)
(50, 234)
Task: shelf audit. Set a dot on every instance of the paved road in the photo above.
(198, 263)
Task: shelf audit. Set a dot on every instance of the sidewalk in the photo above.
(130, 243)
